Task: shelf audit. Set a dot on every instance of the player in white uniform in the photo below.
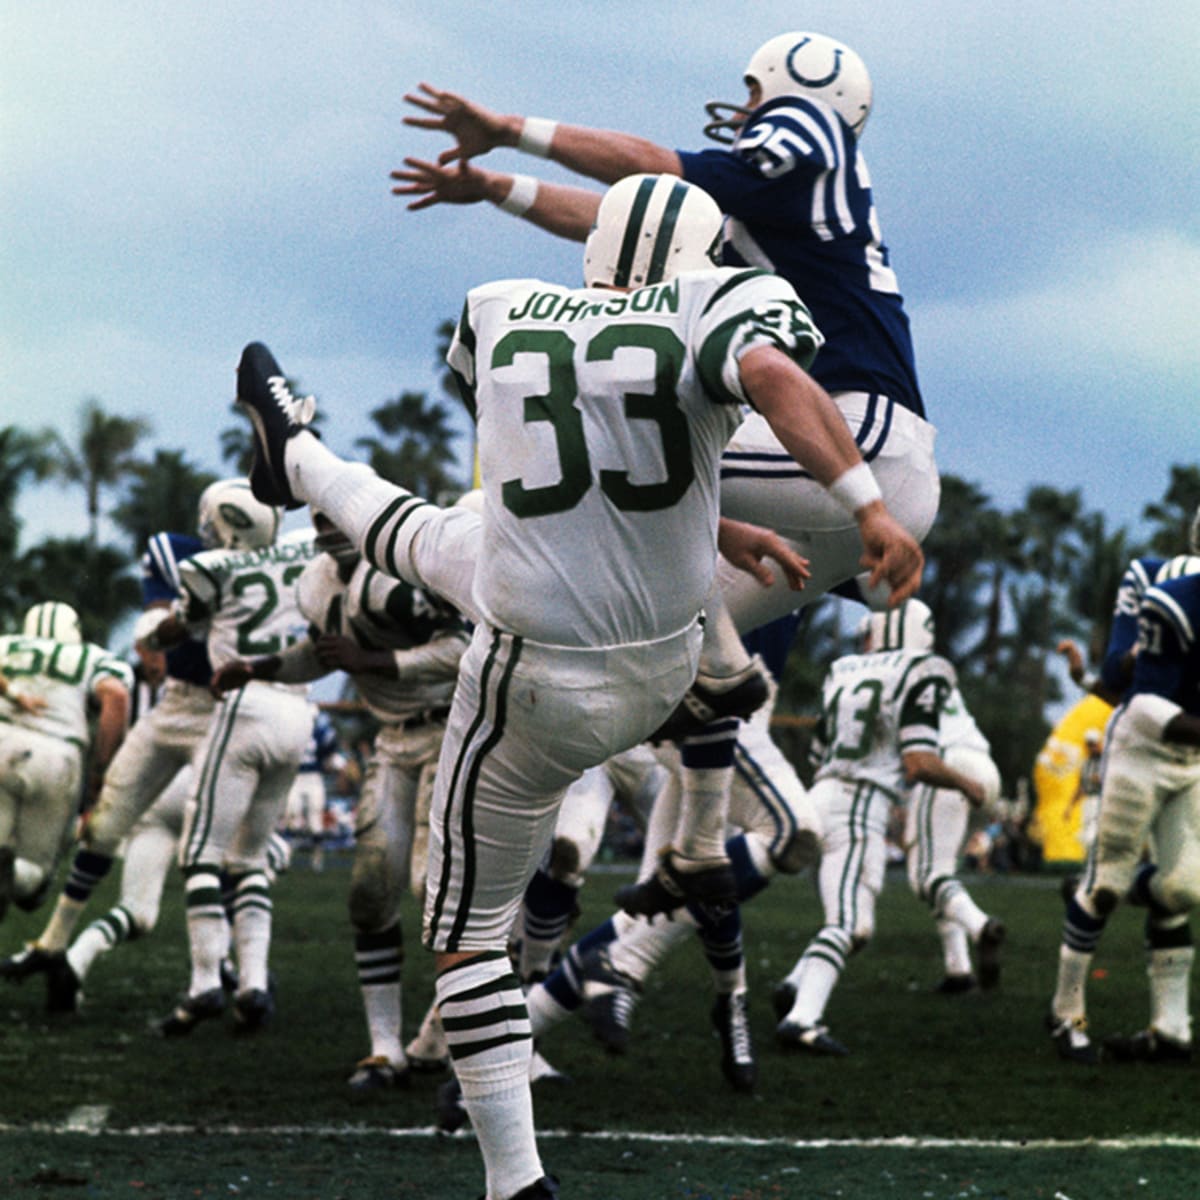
(602, 415)
(54, 680)
(936, 818)
(798, 200)
(163, 741)
(244, 602)
(402, 648)
(878, 736)
(147, 855)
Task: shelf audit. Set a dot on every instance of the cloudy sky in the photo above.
(177, 179)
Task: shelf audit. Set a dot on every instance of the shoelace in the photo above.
(622, 1002)
(297, 409)
(739, 1031)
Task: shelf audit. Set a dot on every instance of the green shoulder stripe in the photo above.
(731, 283)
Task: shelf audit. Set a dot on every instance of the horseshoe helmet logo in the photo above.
(803, 80)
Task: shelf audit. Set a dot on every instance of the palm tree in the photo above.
(1093, 587)
(103, 457)
(1047, 529)
(422, 455)
(163, 494)
(1173, 514)
(967, 538)
(24, 456)
(95, 580)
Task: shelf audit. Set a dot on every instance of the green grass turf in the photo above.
(922, 1066)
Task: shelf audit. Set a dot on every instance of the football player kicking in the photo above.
(402, 647)
(602, 413)
(798, 200)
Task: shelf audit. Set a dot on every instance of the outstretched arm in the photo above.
(815, 434)
(602, 154)
(568, 212)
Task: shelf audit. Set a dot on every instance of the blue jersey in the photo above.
(160, 581)
(323, 747)
(1137, 580)
(1168, 657)
(797, 198)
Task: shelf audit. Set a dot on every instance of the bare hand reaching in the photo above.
(890, 553)
(747, 547)
(434, 184)
(475, 128)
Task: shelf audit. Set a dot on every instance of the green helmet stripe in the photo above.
(633, 231)
(666, 232)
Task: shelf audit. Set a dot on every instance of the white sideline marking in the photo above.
(90, 1118)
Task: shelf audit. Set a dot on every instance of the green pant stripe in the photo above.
(206, 791)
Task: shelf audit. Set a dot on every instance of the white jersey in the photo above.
(380, 612)
(874, 709)
(65, 675)
(245, 600)
(602, 418)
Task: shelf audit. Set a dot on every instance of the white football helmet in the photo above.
(55, 620)
(1173, 568)
(909, 626)
(800, 64)
(648, 229)
(230, 516)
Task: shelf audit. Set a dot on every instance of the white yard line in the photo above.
(91, 1119)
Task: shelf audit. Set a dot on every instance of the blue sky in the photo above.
(179, 179)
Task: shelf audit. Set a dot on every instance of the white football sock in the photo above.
(1169, 971)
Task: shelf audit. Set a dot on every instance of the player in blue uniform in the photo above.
(1148, 761)
(797, 199)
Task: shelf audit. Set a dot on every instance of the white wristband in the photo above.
(520, 196)
(536, 135)
(855, 488)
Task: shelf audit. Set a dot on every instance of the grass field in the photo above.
(941, 1097)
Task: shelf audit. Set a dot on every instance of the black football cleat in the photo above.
(276, 416)
(812, 1039)
(670, 887)
(1071, 1040)
(33, 960)
(1148, 1046)
(990, 940)
(252, 1010)
(731, 1021)
(189, 1012)
(609, 998)
(63, 988)
(451, 1111)
(710, 699)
